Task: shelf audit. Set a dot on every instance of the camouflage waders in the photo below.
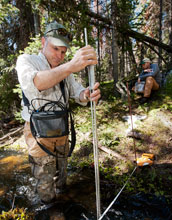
(50, 172)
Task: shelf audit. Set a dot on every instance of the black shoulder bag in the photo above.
(51, 123)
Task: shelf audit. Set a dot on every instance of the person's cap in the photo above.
(145, 60)
(58, 35)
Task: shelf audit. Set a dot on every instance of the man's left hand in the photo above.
(95, 95)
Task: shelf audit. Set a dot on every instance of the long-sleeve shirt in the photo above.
(155, 73)
(27, 67)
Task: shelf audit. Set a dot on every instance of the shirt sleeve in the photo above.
(75, 89)
(26, 71)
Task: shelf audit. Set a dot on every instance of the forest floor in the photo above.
(120, 143)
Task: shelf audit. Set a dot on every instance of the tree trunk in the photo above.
(171, 29)
(36, 21)
(160, 33)
(131, 54)
(26, 29)
(114, 49)
(121, 62)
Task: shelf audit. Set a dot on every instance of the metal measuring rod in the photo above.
(91, 76)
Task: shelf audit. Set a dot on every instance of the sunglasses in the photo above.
(61, 32)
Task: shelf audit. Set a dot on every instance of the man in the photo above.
(39, 77)
(152, 77)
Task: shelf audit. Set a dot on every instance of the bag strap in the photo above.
(25, 100)
(73, 133)
(63, 90)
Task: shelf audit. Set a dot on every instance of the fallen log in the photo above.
(112, 153)
(13, 133)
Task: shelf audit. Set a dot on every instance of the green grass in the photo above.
(111, 130)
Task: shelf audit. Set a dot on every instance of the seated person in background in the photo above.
(152, 77)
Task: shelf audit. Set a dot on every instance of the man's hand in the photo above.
(148, 70)
(95, 95)
(85, 56)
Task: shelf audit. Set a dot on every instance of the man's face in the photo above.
(146, 65)
(54, 54)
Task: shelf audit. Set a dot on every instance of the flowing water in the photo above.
(16, 190)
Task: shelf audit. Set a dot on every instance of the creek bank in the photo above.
(155, 137)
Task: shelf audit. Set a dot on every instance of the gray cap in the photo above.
(145, 60)
(58, 35)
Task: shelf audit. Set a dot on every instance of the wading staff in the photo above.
(91, 77)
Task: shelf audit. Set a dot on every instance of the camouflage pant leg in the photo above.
(61, 165)
(44, 170)
(50, 174)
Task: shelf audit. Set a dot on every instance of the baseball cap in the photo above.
(145, 60)
(58, 35)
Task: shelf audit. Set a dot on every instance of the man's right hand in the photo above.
(85, 56)
(48, 78)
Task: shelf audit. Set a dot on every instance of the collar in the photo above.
(42, 56)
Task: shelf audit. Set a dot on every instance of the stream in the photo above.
(17, 184)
